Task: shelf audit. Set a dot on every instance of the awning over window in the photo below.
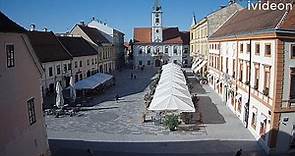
(93, 81)
(196, 64)
(199, 67)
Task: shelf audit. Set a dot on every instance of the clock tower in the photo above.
(157, 29)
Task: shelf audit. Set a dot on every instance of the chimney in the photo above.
(45, 29)
(82, 23)
(33, 27)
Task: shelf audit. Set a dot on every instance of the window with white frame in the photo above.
(31, 111)
(10, 55)
(140, 51)
(267, 49)
(58, 69)
(149, 50)
(293, 51)
(50, 71)
(175, 50)
(167, 49)
(292, 84)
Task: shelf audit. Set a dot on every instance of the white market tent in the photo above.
(169, 85)
(172, 93)
(93, 81)
(172, 103)
(171, 78)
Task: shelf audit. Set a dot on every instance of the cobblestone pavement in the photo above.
(109, 121)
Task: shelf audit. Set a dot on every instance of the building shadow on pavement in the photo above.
(196, 87)
(183, 148)
(210, 147)
(209, 111)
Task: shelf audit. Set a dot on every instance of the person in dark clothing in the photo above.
(134, 76)
(117, 97)
(131, 75)
(239, 153)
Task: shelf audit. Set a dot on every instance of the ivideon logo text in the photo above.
(267, 5)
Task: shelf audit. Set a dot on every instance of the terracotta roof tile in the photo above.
(143, 35)
(170, 36)
(289, 23)
(249, 21)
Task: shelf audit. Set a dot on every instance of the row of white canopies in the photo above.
(172, 93)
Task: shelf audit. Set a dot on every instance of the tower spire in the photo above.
(157, 5)
(194, 21)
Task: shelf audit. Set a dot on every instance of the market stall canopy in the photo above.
(93, 81)
(172, 103)
(172, 93)
(173, 79)
(173, 84)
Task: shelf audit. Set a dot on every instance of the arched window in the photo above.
(166, 49)
(175, 50)
(140, 50)
(149, 50)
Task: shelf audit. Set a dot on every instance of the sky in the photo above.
(61, 15)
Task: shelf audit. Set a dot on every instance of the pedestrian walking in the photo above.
(134, 76)
(117, 98)
(131, 76)
(90, 152)
(239, 153)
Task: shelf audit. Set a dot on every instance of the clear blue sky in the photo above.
(62, 15)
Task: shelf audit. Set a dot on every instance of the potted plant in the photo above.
(171, 121)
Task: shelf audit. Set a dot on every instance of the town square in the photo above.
(141, 78)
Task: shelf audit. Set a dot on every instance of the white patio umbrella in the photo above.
(59, 97)
(72, 89)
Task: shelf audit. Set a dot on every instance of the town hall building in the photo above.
(158, 45)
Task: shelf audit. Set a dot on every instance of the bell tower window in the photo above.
(157, 20)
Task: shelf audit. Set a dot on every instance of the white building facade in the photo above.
(254, 75)
(157, 45)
